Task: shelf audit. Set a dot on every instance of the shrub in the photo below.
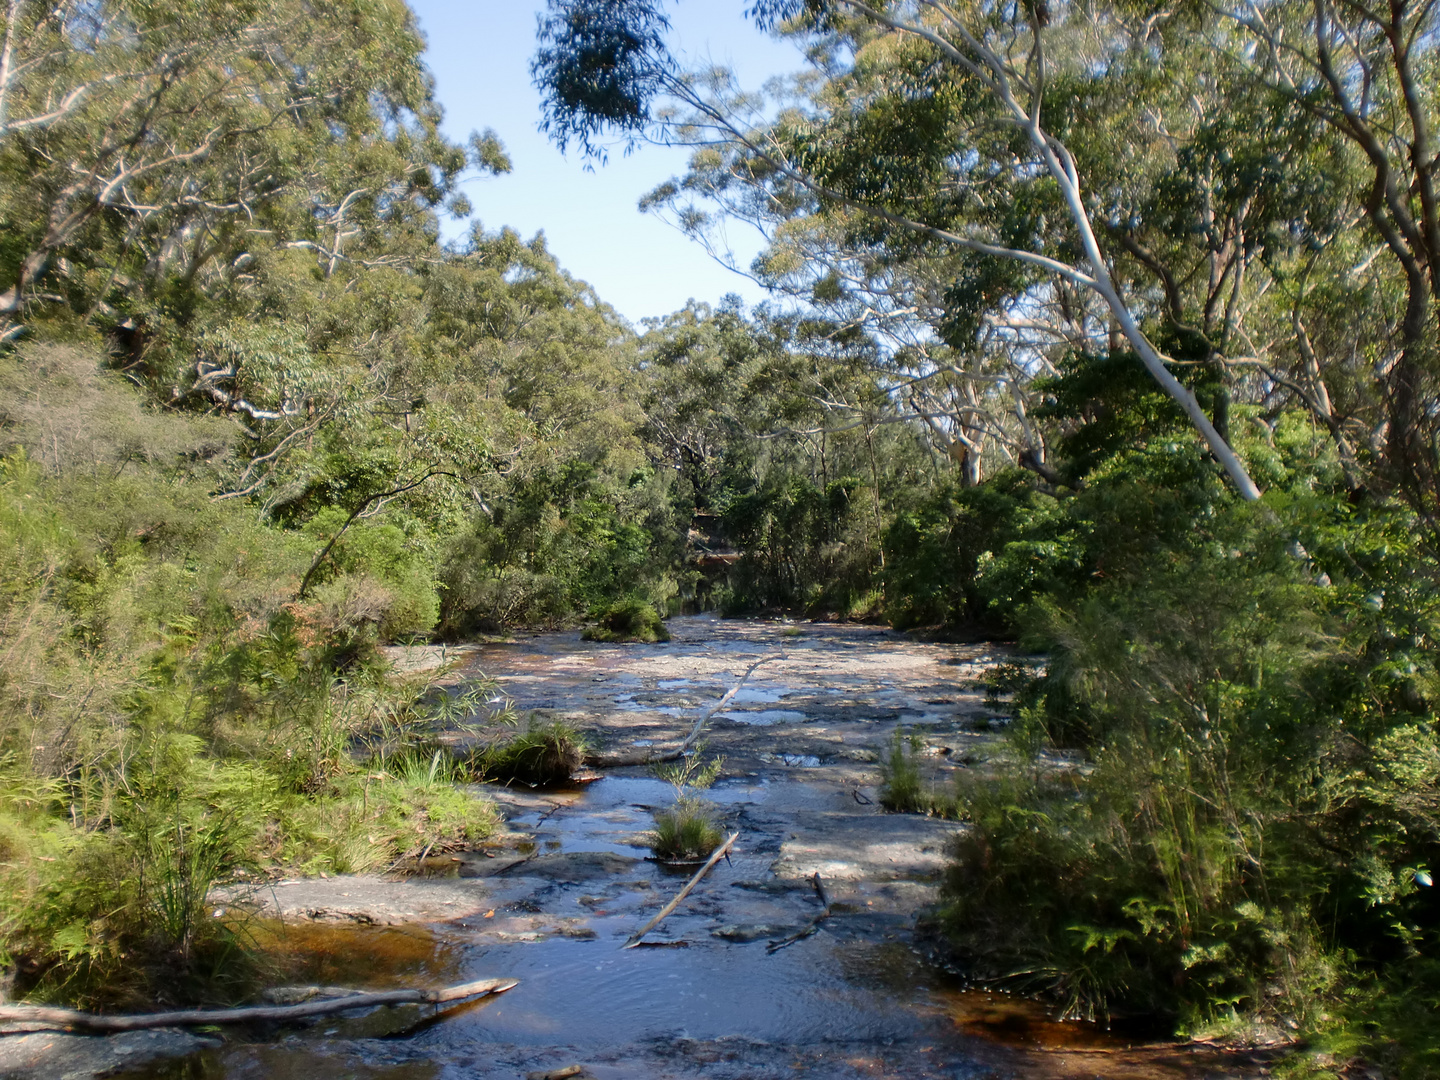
(900, 786)
(1255, 829)
(903, 789)
(685, 832)
(629, 620)
(545, 753)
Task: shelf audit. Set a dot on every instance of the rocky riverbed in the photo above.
(551, 901)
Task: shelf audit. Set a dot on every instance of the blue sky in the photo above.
(480, 53)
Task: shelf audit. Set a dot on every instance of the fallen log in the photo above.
(715, 857)
(46, 1018)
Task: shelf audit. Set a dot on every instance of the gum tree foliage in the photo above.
(212, 186)
(145, 145)
(1204, 189)
(998, 60)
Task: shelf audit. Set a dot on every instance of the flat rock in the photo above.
(365, 898)
(577, 865)
(865, 847)
(53, 1055)
(773, 886)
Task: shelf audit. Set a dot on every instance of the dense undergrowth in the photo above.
(629, 620)
(1251, 688)
(171, 716)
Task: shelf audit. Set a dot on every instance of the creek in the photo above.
(551, 902)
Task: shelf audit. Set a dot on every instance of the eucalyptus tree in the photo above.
(1366, 75)
(961, 144)
(144, 144)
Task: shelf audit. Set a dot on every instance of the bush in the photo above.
(686, 832)
(545, 753)
(1255, 829)
(903, 789)
(900, 788)
(629, 620)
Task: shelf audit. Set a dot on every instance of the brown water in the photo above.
(839, 1005)
(552, 905)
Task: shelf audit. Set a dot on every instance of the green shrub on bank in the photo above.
(172, 717)
(1256, 829)
(546, 752)
(629, 620)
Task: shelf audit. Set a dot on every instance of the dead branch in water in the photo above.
(715, 857)
(729, 695)
(820, 890)
(672, 755)
(15, 1019)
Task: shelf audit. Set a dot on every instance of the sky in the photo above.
(479, 52)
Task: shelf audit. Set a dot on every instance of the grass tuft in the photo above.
(544, 753)
(687, 832)
(903, 789)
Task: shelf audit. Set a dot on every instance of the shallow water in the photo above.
(701, 997)
(829, 997)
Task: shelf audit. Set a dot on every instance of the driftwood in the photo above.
(673, 904)
(618, 760)
(820, 890)
(708, 713)
(810, 927)
(17, 1018)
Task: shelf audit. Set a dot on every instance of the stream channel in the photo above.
(551, 901)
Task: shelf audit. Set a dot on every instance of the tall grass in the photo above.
(687, 830)
(546, 752)
(904, 789)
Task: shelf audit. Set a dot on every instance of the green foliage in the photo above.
(904, 787)
(900, 788)
(1239, 840)
(685, 832)
(629, 620)
(546, 752)
(942, 550)
(171, 718)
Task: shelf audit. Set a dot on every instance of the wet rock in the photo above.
(576, 933)
(771, 885)
(579, 865)
(569, 1072)
(744, 932)
(362, 898)
(50, 1055)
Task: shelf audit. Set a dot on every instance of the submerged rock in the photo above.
(743, 932)
(45, 1055)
